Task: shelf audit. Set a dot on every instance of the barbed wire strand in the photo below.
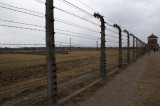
(21, 8)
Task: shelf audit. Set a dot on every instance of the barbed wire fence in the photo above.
(80, 48)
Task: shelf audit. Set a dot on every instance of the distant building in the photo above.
(152, 42)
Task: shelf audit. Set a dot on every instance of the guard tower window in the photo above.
(152, 42)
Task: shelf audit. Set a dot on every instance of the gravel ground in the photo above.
(120, 90)
(148, 89)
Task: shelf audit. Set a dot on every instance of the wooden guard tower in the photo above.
(152, 42)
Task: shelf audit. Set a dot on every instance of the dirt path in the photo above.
(148, 89)
(123, 88)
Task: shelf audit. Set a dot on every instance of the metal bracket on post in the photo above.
(103, 54)
(50, 55)
(128, 46)
(120, 45)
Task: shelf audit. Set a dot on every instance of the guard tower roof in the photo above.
(152, 36)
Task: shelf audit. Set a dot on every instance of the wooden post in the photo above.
(128, 46)
(133, 49)
(103, 55)
(120, 45)
(50, 55)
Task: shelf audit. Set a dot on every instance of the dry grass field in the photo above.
(23, 76)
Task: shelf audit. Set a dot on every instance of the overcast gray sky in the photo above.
(140, 17)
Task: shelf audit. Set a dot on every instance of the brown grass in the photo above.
(23, 69)
(23, 60)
